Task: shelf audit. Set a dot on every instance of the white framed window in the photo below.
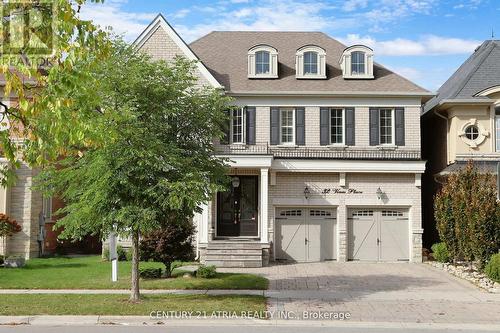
(358, 63)
(387, 127)
(262, 62)
(47, 208)
(238, 126)
(337, 126)
(497, 128)
(310, 62)
(287, 126)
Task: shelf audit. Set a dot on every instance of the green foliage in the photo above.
(150, 273)
(62, 115)
(206, 272)
(105, 253)
(440, 252)
(468, 215)
(121, 253)
(492, 269)
(171, 242)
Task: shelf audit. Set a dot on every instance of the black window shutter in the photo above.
(226, 128)
(324, 123)
(300, 126)
(349, 127)
(400, 126)
(374, 127)
(275, 126)
(250, 122)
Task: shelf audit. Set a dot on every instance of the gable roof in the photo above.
(161, 22)
(479, 72)
(225, 55)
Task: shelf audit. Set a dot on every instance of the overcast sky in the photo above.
(423, 40)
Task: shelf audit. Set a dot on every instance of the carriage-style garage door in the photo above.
(305, 234)
(379, 235)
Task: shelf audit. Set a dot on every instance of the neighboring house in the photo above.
(324, 149)
(462, 123)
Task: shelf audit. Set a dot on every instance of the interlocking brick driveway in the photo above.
(388, 292)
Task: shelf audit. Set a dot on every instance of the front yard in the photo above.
(91, 272)
(57, 304)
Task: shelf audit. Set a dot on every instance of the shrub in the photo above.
(121, 253)
(105, 253)
(492, 269)
(150, 273)
(206, 272)
(440, 252)
(468, 215)
(1, 260)
(170, 243)
(128, 255)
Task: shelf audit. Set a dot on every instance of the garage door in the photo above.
(305, 234)
(379, 235)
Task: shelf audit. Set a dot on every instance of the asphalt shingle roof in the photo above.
(479, 72)
(224, 53)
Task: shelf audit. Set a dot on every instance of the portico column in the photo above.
(204, 224)
(264, 221)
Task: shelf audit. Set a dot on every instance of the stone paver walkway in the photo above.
(380, 292)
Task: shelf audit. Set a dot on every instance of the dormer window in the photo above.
(310, 62)
(357, 62)
(262, 65)
(263, 62)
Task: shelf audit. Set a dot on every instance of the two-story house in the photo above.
(324, 149)
(461, 123)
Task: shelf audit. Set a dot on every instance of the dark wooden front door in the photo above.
(237, 212)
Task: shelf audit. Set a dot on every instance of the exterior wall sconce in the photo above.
(379, 193)
(235, 181)
(307, 192)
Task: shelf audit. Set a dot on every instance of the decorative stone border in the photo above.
(476, 277)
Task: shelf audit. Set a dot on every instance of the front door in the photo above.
(237, 209)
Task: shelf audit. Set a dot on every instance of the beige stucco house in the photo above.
(324, 149)
(461, 123)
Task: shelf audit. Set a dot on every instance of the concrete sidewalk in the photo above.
(126, 291)
(138, 321)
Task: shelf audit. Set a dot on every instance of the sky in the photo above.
(423, 40)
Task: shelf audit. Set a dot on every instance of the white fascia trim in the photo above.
(465, 101)
(330, 93)
(160, 21)
(348, 166)
(248, 161)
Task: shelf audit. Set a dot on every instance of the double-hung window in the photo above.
(337, 126)
(497, 128)
(238, 125)
(262, 62)
(287, 126)
(357, 62)
(386, 126)
(310, 63)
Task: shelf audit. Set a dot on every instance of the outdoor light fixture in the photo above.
(306, 192)
(379, 193)
(235, 181)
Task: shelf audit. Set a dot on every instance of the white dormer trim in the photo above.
(273, 62)
(321, 62)
(160, 22)
(345, 62)
(488, 91)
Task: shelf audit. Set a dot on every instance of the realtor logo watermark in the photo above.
(28, 27)
(283, 315)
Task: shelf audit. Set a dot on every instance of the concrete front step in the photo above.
(234, 253)
(251, 263)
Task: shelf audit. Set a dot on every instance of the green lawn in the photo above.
(92, 273)
(57, 304)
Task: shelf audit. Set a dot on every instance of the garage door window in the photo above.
(319, 213)
(291, 213)
(391, 213)
(362, 213)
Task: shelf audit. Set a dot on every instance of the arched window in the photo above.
(262, 62)
(358, 63)
(310, 62)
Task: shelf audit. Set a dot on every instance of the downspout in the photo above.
(436, 179)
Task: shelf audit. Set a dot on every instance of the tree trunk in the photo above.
(168, 269)
(135, 295)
